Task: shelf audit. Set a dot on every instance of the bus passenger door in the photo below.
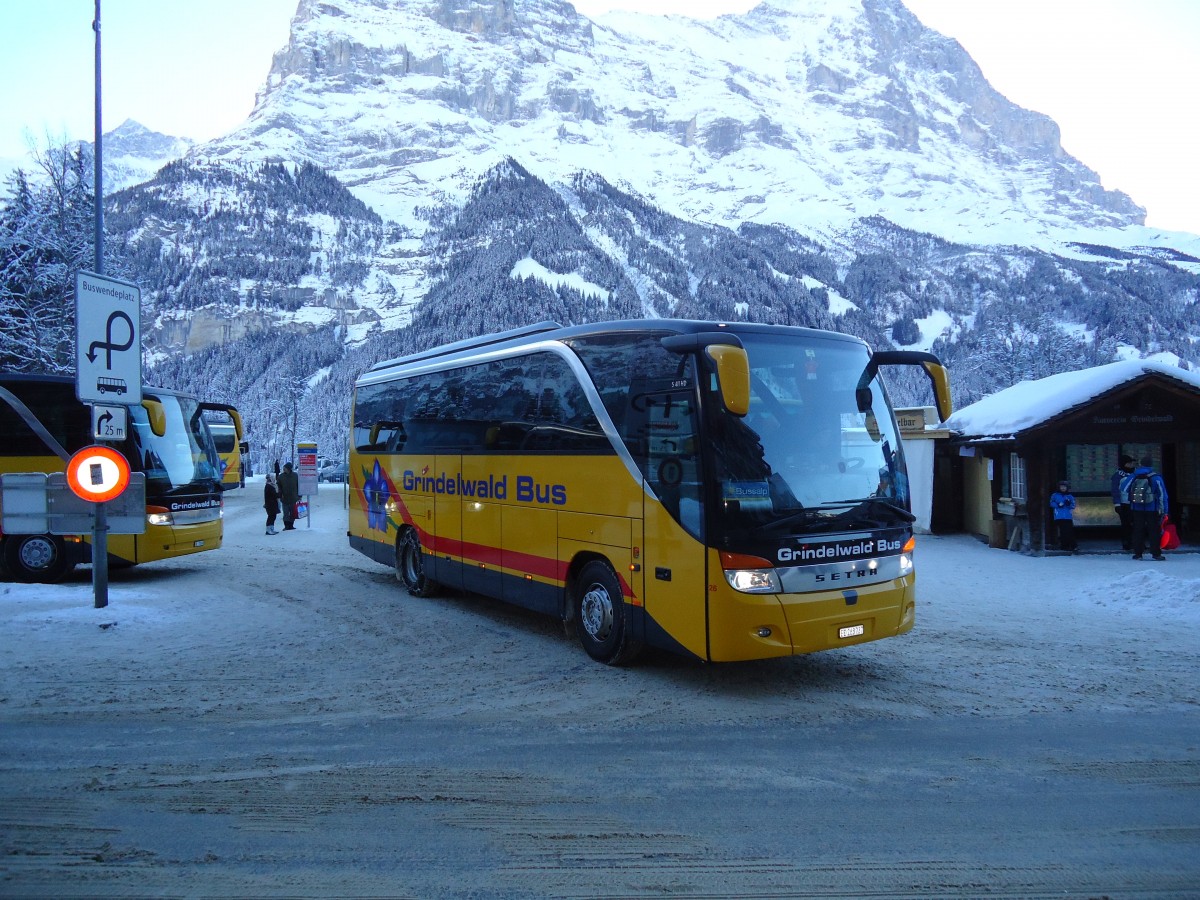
(481, 526)
(674, 558)
(530, 557)
(446, 548)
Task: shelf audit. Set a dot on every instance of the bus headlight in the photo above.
(906, 560)
(157, 515)
(753, 581)
(750, 574)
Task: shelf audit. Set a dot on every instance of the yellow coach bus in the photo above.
(724, 491)
(167, 439)
(227, 437)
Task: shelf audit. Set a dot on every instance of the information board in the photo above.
(306, 467)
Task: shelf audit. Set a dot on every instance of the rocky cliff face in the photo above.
(808, 113)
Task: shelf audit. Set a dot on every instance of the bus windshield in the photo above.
(818, 450)
(184, 453)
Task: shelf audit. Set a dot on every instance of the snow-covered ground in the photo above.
(221, 633)
(280, 718)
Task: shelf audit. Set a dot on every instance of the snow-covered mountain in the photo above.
(805, 113)
(133, 153)
(456, 166)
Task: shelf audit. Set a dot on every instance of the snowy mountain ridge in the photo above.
(804, 113)
(417, 172)
(133, 153)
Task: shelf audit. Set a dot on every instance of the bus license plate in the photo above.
(197, 543)
(851, 631)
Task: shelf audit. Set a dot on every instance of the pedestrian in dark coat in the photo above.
(289, 496)
(1120, 499)
(271, 503)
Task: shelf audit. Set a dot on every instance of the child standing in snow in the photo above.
(1062, 502)
(271, 503)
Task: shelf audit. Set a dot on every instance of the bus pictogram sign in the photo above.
(98, 473)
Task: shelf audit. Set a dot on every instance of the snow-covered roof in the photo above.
(1030, 403)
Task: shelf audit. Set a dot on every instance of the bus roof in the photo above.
(463, 350)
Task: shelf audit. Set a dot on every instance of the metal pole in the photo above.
(100, 530)
(98, 158)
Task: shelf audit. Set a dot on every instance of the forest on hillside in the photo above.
(260, 245)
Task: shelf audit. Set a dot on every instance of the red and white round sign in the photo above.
(98, 473)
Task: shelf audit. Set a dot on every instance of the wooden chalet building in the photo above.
(1010, 450)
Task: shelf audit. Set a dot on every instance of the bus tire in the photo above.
(602, 617)
(37, 558)
(410, 565)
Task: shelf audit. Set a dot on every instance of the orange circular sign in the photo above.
(98, 473)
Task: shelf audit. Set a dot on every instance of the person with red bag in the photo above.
(289, 495)
(1148, 503)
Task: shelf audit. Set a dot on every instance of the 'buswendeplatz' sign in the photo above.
(108, 340)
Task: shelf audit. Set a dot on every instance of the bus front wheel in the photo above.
(601, 616)
(410, 565)
(40, 558)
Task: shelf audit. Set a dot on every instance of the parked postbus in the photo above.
(227, 437)
(726, 491)
(167, 440)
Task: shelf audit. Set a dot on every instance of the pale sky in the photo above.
(1119, 76)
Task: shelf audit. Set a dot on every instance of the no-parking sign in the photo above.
(98, 473)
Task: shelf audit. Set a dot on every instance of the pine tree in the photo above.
(46, 238)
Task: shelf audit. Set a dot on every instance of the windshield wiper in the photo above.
(872, 507)
(805, 515)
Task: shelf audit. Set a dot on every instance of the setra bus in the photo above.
(727, 491)
(167, 439)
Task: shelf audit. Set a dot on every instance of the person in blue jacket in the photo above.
(1148, 504)
(1062, 502)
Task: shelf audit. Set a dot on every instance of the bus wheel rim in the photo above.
(596, 610)
(37, 554)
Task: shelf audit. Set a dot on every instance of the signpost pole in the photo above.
(100, 532)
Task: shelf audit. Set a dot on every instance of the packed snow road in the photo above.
(280, 718)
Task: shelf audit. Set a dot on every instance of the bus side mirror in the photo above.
(230, 411)
(157, 416)
(938, 377)
(728, 357)
(733, 376)
(237, 423)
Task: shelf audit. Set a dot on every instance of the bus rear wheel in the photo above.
(41, 558)
(410, 565)
(602, 617)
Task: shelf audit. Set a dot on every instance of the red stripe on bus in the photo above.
(547, 568)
